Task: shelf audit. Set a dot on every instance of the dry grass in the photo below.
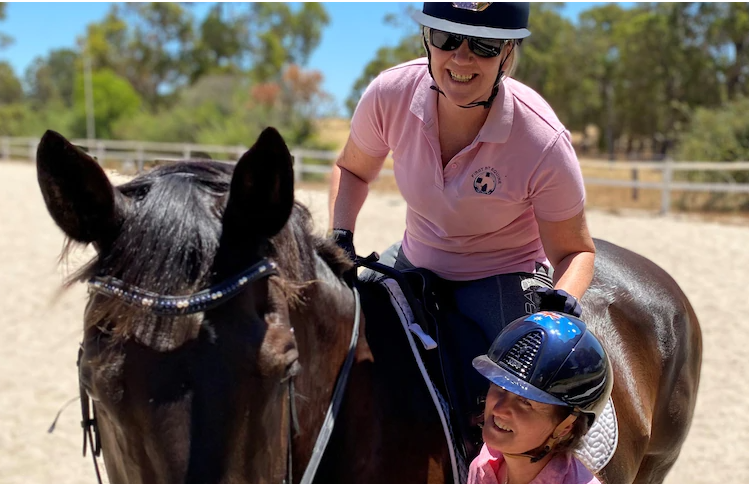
(333, 132)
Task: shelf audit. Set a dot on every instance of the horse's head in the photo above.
(206, 294)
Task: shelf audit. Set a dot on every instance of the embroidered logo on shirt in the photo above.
(485, 180)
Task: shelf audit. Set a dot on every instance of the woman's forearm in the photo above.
(574, 273)
(347, 195)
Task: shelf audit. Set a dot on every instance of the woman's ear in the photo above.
(564, 428)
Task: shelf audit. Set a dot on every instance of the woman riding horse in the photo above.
(495, 195)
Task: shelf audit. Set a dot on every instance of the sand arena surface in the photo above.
(39, 335)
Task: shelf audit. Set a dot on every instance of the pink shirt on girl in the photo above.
(476, 217)
(561, 469)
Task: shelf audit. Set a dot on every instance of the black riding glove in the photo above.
(345, 240)
(558, 300)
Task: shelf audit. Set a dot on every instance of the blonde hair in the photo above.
(512, 60)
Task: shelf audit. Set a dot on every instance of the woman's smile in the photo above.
(461, 78)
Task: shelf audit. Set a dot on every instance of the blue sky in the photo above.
(355, 32)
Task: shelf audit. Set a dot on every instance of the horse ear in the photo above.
(262, 189)
(76, 190)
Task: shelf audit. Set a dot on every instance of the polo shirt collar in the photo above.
(424, 100)
(498, 124)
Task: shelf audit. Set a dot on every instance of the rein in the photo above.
(201, 301)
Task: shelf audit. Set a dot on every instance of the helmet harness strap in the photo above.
(495, 90)
(542, 451)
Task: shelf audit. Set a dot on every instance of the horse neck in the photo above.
(323, 324)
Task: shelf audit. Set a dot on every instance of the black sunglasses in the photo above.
(480, 46)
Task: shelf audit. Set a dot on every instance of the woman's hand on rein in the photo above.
(558, 300)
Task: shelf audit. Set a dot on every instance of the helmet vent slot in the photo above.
(521, 356)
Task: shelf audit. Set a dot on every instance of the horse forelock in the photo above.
(170, 231)
(172, 227)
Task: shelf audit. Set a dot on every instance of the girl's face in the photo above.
(513, 424)
(463, 76)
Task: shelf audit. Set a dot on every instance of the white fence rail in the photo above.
(137, 153)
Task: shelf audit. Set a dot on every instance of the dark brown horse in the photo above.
(194, 385)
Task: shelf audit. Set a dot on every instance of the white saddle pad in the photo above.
(599, 444)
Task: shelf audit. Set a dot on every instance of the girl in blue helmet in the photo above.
(550, 379)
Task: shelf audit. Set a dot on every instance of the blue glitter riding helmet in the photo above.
(552, 358)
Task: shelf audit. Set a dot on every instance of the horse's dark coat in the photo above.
(202, 399)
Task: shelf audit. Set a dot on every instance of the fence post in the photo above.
(6, 148)
(140, 158)
(668, 174)
(32, 149)
(101, 151)
(298, 163)
(186, 152)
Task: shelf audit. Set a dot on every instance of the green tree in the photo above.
(162, 36)
(147, 43)
(408, 48)
(717, 134)
(114, 99)
(280, 36)
(107, 42)
(664, 73)
(10, 87)
(221, 43)
(51, 78)
(726, 28)
(4, 39)
(554, 61)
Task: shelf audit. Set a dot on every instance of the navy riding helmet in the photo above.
(490, 20)
(507, 21)
(552, 358)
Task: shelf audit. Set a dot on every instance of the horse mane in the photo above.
(184, 203)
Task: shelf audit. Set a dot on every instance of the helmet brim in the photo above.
(473, 30)
(513, 384)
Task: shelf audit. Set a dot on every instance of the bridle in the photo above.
(204, 300)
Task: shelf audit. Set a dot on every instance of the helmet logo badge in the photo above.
(472, 6)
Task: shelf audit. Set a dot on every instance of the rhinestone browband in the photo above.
(179, 305)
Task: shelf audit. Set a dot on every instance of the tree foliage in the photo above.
(10, 87)
(644, 75)
(114, 99)
(717, 134)
(50, 79)
(4, 39)
(158, 73)
(637, 73)
(409, 47)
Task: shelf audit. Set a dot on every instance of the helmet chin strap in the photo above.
(495, 90)
(543, 450)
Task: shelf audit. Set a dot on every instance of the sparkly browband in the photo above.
(179, 305)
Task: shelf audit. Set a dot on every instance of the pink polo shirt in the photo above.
(476, 217)
(561, 469)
